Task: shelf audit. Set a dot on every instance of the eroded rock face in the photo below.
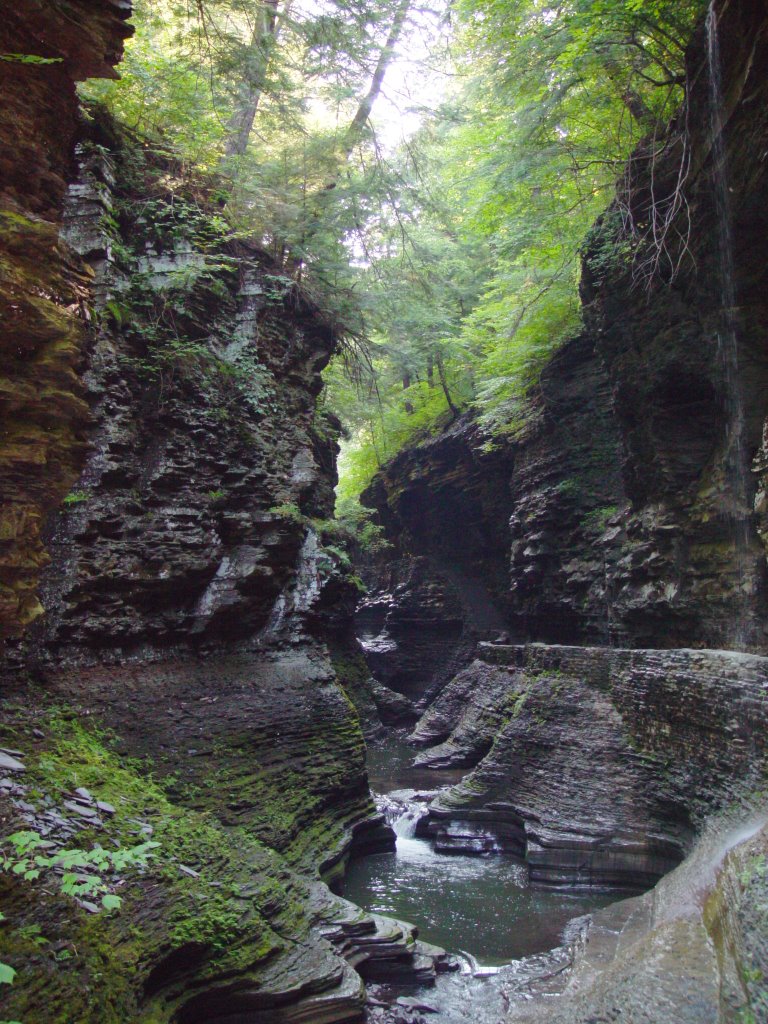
(627, 522)
(43, 283)
(596, 765)
(413, 627)
(186, 525)
(188, 598)
(693, 950)
(443, 586)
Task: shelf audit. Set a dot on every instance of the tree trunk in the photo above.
(265, 33)
(406, 385)
(354, 132)
(444, 384)
(631, 99)
(359, 121)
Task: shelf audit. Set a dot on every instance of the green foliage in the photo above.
(24, 853)
(7, 974)
(606, 247)
(570, 488)
(29, 58)
(290, 511)
(596, 521)
(477, 258)
(451, 264)
(352, 528)
(223, 907)
(252, 379)
(75, 498)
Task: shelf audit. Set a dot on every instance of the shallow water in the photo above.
(390, 767)
(477, 905)
(481, 906)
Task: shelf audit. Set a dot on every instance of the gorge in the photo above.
(555, 651)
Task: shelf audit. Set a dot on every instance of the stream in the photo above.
(479, 908)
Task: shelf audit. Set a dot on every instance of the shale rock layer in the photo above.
(596, 765)
(624, 510)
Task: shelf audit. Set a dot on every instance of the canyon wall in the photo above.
(169, 586)
(43, 283)
(623, 549)
(595, 765)
(615, 515)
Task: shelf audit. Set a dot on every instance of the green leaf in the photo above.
(29, 58)
(111, 902)
(7, 974)
(24, 841)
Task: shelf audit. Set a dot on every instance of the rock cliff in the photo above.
(44, 285)
(635, 493)
(161, 439)
(627, 516)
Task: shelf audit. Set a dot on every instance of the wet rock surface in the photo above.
(678, 953)
(594, 764)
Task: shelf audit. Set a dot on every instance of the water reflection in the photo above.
(481, 906)
(390, 767)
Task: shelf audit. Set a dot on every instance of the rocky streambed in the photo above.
(530, 852)
(481, 909)
(501, 931)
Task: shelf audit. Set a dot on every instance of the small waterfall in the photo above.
(308, 584)
(405, 825)
(276, 617)
(736, 459)
(402, 810)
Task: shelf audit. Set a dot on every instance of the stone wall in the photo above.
(43, 284)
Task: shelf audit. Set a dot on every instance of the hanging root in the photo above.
(657, 221)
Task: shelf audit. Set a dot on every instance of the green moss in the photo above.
(219, 892)
(353, 677)
(596, 521)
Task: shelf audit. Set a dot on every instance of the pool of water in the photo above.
(477, 905)
(481, 906)
(390, 767)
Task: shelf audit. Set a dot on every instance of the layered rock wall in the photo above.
(178, 689)
(596, 765)
(44, 285)
(692, 950)
(634, 516)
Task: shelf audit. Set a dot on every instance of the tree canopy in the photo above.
(431, 169)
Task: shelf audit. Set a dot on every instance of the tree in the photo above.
(266, 29)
